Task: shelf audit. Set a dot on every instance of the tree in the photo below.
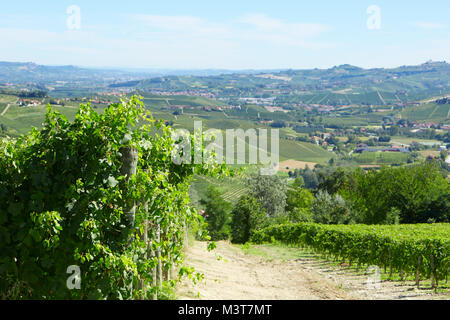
(332, 140)
(310, 178)
(298, 204)
(247, 217)
(443, 155)
(394, 130)
(299, 182)
(335, 181)
(298, 198)
(270, 191)
(384, 139)
(278, 124)
(328, 209)
(217, 213)
(418, 192)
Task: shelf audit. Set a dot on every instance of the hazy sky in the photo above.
(231, 34)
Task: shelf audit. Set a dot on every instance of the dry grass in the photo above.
(290, 165)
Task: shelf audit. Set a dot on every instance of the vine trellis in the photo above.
(100, 192)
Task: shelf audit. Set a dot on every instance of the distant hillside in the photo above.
(339, 85)
(28, 72)
(21, 73)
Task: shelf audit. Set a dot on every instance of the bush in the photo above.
(393, 216)
(217, 213)
(419, 192)
(270, 191)
(298, 205)
(300, 215)
(65, 201)
(328, 209)
(247, 217)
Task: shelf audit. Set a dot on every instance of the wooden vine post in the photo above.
(158, 257)
(433, 276)
(144, 238)
(129, 169)
(153, 255)
(167, 267)
(418, 272)
(390, 263)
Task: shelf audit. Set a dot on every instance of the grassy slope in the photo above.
(428, 112)
(20, 120)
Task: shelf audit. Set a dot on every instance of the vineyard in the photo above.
(101, 194)
(428, 112)
(421, 251)
(232, 188)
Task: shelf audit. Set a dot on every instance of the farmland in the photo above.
(381, 158)
(429, 112)
(420, 251)
(232, 150)
(290, 165)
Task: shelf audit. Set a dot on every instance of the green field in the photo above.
(303, 151)
(381, 158)
(428, 112)
(408, 141)
(178, 100)
(233, 188)
(7, 99)
(20, 120)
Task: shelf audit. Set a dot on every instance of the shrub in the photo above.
(270, 191)
(247, 217)
(328, 209)
(217, 213)
(65, 201)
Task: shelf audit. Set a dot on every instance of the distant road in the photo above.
(6, 109)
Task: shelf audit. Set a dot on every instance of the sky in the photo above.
(232, 34)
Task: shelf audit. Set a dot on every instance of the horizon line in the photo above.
(136, 69)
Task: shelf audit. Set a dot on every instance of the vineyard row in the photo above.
(421, 250)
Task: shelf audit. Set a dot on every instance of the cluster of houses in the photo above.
(421, 126)
(180, 108)
(100, 101)
(259, 101)
(194, 93)
(28, 103)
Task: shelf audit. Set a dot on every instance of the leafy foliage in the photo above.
(298, 204)
(218, 217)
(417, 193)
(270, 191)
(422, 248)
(247, 217)
(330, 209)
(63, 198)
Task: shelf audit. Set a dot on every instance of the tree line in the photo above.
(411, 194)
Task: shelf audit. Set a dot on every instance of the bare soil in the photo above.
(295, 164)
(241, 276)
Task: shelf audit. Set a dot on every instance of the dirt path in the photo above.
(240, 276)
(245, 277)
(4, 111)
